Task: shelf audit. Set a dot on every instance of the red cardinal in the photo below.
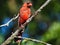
(24, 14)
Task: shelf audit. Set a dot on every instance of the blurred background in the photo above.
(45, 26)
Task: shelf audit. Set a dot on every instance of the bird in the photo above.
(24, 14)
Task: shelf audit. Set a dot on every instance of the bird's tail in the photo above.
(18, 39)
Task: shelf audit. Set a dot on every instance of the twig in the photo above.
(7, 24)
(35, 40)
(16, 32)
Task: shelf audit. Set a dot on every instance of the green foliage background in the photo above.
(49, 17)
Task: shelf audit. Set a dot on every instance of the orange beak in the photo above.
(30, 4)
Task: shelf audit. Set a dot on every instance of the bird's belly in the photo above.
(23, 18)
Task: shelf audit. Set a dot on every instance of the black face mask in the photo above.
(29, 6)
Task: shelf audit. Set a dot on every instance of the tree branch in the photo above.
(7, 24)
(35, 40)
(16, 32)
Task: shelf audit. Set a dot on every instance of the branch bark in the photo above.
(7, 24)
(35, 40)
(16, 32)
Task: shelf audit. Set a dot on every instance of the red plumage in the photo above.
(24, 14)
